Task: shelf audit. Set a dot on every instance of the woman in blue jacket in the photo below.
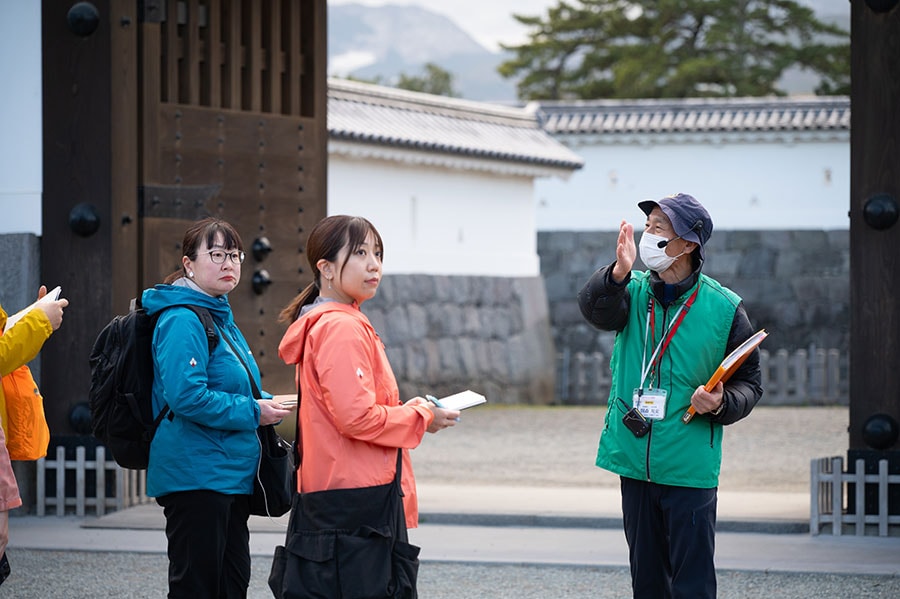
(204, 455)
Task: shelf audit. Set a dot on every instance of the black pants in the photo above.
(671, 539)
(209, 544)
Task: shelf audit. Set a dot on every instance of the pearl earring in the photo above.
(191, 274)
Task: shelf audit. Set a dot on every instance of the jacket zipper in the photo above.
(649, 437)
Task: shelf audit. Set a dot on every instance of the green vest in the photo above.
(672, 453)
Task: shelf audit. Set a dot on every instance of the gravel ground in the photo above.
(90, 575)
(546, 446)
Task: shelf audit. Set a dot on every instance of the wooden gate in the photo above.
(229, 128)
(158, 112)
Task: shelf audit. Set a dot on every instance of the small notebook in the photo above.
(462, 400)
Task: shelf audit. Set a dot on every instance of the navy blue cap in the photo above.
(689, 218)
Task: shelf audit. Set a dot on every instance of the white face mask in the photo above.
(652, 255)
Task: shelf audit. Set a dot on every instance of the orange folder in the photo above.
(729, 365)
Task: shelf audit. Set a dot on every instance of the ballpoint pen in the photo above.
(437, 402)
(434, 400)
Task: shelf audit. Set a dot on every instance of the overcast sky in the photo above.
(488, 21)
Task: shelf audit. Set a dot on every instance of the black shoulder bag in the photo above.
(349, 543)
(273, 487)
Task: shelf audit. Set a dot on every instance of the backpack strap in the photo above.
(212, 337)
(212, 341)
(256, 392)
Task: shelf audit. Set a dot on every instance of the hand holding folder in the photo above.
(729, 365)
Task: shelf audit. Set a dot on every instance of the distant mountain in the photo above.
(385, 41)
(369, 42)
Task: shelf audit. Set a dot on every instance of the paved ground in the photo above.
(512, 506)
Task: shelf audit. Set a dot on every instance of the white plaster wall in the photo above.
(20, 117)
(743, 185)
(440, 221)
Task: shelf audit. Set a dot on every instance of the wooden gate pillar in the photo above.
(875, 236)
(90, 166)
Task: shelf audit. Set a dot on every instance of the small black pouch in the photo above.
(636, 423)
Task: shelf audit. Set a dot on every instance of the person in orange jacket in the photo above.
(19, 346)
(351, 418)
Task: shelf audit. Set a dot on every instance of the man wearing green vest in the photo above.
(674, 325)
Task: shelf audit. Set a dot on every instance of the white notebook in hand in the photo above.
(462, 400)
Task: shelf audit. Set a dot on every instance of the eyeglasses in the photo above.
(218, 256)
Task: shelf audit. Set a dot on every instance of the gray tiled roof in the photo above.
(392, 117)
(695, 115)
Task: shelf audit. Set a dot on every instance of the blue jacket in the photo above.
(210, 443)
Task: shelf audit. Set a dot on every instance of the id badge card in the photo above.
(650, 403)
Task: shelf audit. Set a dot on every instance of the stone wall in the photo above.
(795, 284)
(444, 334)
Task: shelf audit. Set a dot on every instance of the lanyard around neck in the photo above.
(667, 334)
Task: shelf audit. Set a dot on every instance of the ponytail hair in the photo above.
(291, 312)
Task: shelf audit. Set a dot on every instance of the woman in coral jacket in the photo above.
(351, 418)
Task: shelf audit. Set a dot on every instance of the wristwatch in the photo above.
(719, 410)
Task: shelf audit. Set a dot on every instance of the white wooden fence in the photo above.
(130, 485)
(819, 377)
(830, 489)
(799, 378)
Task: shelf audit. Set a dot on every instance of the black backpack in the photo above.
(122, 384)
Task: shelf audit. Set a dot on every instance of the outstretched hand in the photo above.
(626, 252)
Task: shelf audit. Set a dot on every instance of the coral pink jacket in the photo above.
(351, 417)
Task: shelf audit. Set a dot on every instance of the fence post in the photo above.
(781, 376)
(41, 485)
(833, 372)
(814, 487)
(882, 498)
(120, 488)
(60, 481)
(100, 467)
(80, 481)
(562, 379)
(764, 365)
(800, 363)
(837, 495)
(860, 516)
(817, 378)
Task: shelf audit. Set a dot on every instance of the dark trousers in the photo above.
(209, 544)
(671, 539)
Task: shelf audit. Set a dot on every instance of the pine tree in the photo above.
(588, 49)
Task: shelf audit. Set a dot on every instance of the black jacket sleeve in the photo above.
(603, 302)
(744, 389)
